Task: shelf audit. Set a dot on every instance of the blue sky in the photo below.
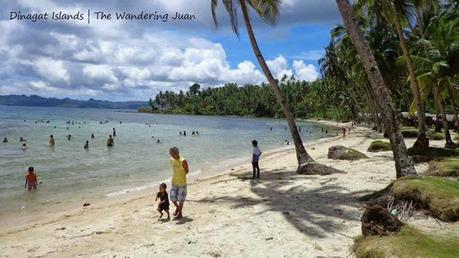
(133, 60)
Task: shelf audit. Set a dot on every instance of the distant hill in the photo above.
(37, 101)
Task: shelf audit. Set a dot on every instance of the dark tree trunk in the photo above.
(413, 79)
(403, 164)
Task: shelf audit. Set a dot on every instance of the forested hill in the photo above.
(37, 101)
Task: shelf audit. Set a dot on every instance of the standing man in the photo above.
(178, 191)
(256, 153)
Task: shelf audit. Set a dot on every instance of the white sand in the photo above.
(281, 215)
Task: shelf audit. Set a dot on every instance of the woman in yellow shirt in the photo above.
(178, 191)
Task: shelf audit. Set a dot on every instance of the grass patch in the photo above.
(410, 242)
(409, 132)
(355, 155)
(432, 135)
(445, 167)
(434, 152)
(439, 195)
(379, 145)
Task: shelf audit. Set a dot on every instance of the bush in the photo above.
(409, 132)
(379, 145)
(410, 242)
(439, 195)
(445, 167)
(432, 135)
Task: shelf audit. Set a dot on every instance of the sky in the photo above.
(123, 60)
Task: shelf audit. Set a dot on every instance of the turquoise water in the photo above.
(71, 174)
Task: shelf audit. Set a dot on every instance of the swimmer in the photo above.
(184, 133)
(31, 181)
(86, 145)
(92, 136)
(158, 141)
(192, 133)
(51, 141)
(114, 132)
(69, 137)
(24, 147)
(5, 139)
(110, 141)
(22, 139)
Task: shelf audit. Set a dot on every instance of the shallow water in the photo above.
(70, 174)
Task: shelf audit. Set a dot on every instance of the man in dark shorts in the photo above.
(163, 197)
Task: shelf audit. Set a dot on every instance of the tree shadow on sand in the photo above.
(314, 211)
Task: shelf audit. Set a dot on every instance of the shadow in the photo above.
(183, 220)
(312, 211)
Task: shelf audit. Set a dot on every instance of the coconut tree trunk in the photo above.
(301, 154)
(403, 164)
(413, 79)
(444, 119)
(453, 101)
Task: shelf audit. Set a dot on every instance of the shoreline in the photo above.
(143, 191)
(317, 215)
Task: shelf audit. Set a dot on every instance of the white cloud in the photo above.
(305, 72)
(99, 73)
(52, 70)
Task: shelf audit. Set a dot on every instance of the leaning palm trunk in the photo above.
(413, 80)
(439, 99)
(403, 164)
(301, 154)
(453, 101)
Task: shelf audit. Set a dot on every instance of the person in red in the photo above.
(31, 180)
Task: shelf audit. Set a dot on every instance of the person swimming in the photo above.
(158, 141)
(69, 137)
(114, 132)
(51, 141)
(287, 142)
(22, 139)
(110, 141)
(92, 136)
(184, 133)
(24, 147)
(5, 139)
(193, 133)
(86, 145)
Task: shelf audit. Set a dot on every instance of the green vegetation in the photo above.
(439, 195)
(432, 135)
(434, 153)
(409, 132)
(410, 242)
(379, 145)
(306, 100)
(446, 167)
(352, 154)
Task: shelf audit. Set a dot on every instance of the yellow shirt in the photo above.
(179, 174)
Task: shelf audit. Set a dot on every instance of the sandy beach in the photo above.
(280, 215)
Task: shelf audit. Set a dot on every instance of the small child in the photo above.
(163, 205)
(255, 158)
(31, 180)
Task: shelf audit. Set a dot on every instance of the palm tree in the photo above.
(438, 64)
(398, 13)
(268, 10)
(403, 164)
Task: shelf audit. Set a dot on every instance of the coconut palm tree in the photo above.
(399, 13)
(268, 10)
(403, 164)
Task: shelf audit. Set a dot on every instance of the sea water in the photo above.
(70, 174)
